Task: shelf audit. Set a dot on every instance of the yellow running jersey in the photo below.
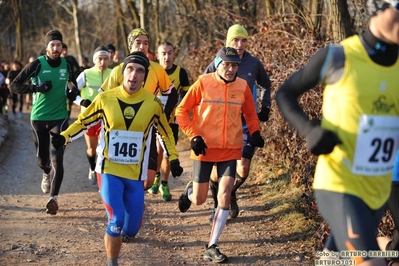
(175, 78)
(362, 108)
(124, 141)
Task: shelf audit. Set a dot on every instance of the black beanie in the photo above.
(53, 35)
(137, 57)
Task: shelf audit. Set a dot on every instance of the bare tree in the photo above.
(73, 12)
(340, 23)
(16, 14)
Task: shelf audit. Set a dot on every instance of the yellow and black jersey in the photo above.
(127, 121)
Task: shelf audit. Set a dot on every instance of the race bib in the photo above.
(125, 146)
(376, 145)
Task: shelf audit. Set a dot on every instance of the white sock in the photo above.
(219, 221)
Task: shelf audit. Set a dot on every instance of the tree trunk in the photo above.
(142, 14)
(341, 24)
(19, 51)
(74, 4)
(316, 10)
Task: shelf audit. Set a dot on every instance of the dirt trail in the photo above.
(28, 236)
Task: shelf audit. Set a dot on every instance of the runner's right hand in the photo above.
(198, 145)
(57, 140)
(44, 87)
(175, 168)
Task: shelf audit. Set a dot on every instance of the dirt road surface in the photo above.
(29, 236)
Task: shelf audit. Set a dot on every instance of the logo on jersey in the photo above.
(129, 112)
(381, 105)
(46, 71)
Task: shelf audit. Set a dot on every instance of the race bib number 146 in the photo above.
(125, 146)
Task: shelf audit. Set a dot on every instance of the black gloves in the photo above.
(257, 139)
(44, 87)
(72, 91)
(175, 168)
(321, 141)
(57, 140)
(263, 115)
(198, 145)
(85, 102)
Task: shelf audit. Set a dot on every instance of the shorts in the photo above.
(347, 216)
(94, 131)
(248, 150)
(124, 203)
(202, 170)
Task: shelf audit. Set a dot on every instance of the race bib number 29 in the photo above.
(125, 146)
(376, 145)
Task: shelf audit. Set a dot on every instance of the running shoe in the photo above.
(234, 210)
(155, 186)
(184, 201)
(212, 216)
(213, 254)
(165, 193)
(52, 206)
(46, 181)
(92, 177)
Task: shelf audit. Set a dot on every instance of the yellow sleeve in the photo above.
(114, 79)
(89, 117)
(166, 133)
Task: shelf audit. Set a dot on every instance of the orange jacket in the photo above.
(216, 116)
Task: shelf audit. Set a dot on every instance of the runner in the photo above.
(252, 70)
(52, 84)
(157, 83)
(178, 75)
(216, 101)
(127, 114)
(89, 82)
(358, 135)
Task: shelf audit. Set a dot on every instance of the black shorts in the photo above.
(202, 170)
(353, 224)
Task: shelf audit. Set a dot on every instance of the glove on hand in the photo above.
(175, 168)
(72, 91)
(263, 115)
(57, 140)
(44, 87)
(321, 141)
(85, 102)
(198, 145)
(257, 140)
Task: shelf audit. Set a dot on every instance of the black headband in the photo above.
(138, 58)
(53, 35)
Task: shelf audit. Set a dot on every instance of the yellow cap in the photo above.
(236, 31)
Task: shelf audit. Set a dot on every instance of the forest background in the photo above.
(283, 34)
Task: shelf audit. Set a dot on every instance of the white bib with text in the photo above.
(125, 146)
(376, 145)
